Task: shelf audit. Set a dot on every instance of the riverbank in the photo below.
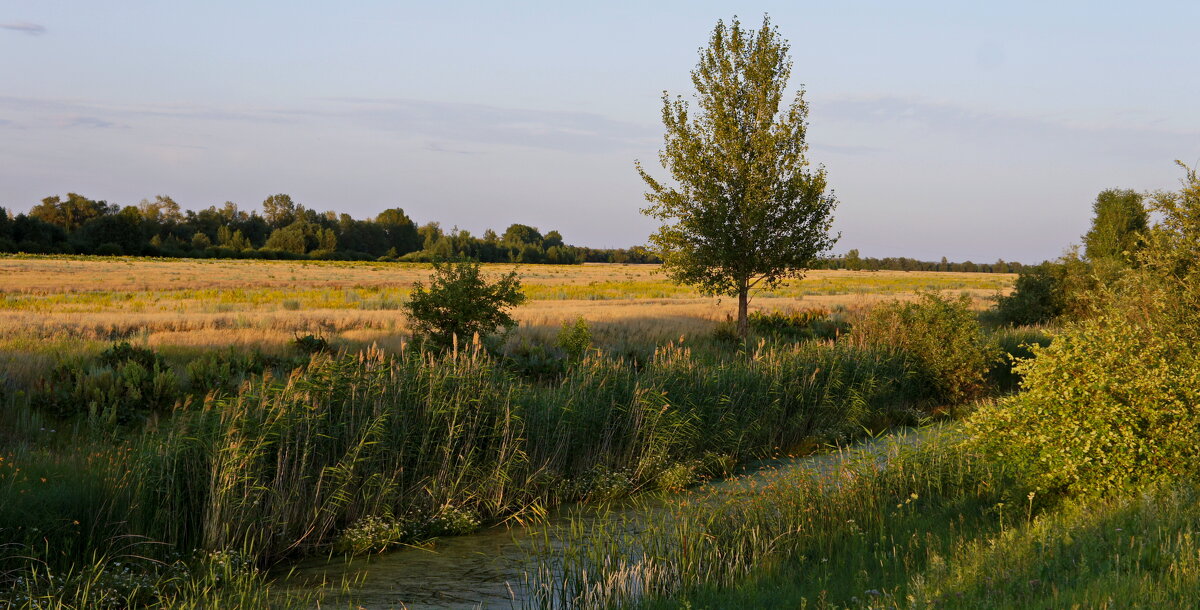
(497, 567)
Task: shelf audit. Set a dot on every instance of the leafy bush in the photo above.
(534, 361)
(1054, 290)
(119, 394)
(1111, 404)
(941, 339)
(451, 521)
(575, 338)
(124, 384)
(373, 534)
(461, 303)
(678, 477)
(726, 332)
(1037, 296)
(109, 249)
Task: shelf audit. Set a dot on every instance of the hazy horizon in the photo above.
(970, 132)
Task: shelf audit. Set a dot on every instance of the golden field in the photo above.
(53, 306)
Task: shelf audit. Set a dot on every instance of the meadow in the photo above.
(51, 306)
(176, 435)
(166, 438)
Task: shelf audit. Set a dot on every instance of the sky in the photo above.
(960, 129)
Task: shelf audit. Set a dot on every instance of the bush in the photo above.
(725, 332)
(534, 361)
(119, 393)
(575, 338)
(1037, 296)
(1064, 289)
(942, 341)
(109, 249)
(1110, 405)
(461, 303)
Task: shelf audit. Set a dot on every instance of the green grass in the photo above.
(366, 451)
(860, 523)
(924, 527)
(423, 444)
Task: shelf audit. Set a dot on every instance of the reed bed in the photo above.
(362, 451)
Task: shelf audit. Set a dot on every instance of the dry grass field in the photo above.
(54, 306)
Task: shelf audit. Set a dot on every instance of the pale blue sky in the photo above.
(967, 130)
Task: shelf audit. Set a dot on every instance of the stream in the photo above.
(487, 569)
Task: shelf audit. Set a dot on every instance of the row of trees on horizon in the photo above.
(160, 227)
(284, 229)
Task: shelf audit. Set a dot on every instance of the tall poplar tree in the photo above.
(745, 210)
(1118, 227)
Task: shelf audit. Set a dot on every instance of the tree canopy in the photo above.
(282, 229)
(1118, 227)
(745, 209)
(460, 303)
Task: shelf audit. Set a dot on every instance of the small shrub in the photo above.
(461, 303)
(677, 477)
(452, 521)
(941, 339)
(602, 484)
(124, 384)
(1037, 296)
(725, 332)
(373, 535)
(575, 338)
(109, 249)
(225, 371)
(1051, 291)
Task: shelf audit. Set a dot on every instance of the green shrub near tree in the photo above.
(941, 338)
(1113, 404)
(460, 303)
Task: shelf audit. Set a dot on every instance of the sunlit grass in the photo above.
(900, 525)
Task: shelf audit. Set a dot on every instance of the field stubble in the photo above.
(51, 306)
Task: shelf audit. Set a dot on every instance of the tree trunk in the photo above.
(743, 324)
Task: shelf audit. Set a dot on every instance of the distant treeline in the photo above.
(284, 229)
(852, 260)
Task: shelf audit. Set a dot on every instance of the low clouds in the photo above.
(438, 147)
(457, 128)
(58, 113)
(481, 124)
(25, 27)
(86, 121)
